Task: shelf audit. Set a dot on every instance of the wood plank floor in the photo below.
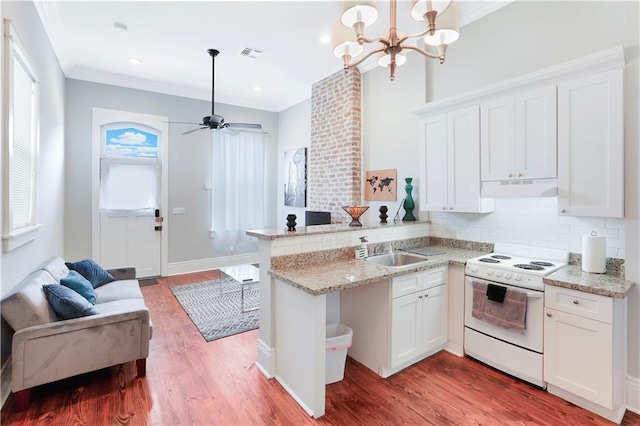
(192, 382)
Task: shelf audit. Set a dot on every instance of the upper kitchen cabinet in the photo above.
(591, 145)
(450, 162)
(518, 136)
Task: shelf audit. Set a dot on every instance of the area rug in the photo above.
(214, 307)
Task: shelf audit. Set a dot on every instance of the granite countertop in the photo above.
(323, 278)
(275, 233)
(573, 277)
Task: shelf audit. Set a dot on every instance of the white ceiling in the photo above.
(172, 37)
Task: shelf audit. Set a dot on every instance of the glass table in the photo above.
(245, 275)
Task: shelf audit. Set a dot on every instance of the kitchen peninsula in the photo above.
(300, 293)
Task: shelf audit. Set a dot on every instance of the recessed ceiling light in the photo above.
(120, 27)
(257, 88)
(325, 39)
(135, 61)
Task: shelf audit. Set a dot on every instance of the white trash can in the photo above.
(338, 341)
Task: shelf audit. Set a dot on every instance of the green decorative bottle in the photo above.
(408, 202)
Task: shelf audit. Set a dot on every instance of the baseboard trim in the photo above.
(266, 361)
(455, 348)
(633, 394)
(5, 378)
(296, 398)
(200, 265)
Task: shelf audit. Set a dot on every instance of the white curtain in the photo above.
(237, 199)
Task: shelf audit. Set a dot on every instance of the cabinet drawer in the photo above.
(434, 277)
(407, 284)
(587, 305)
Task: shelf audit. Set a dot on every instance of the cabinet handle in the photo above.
(510, 174)
(426, 295)
(563, 211)
(519, 174)
(420, 296)
(450, 208)
(575, 302)
(548, 314)
(444, 208)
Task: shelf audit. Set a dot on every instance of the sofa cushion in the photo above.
(26, 305)
(91, 271)
(124, 306)
(66, 303)
(80, 285)
(118, 290)
(56, 267)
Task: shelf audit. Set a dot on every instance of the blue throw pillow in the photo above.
(66, 303)
(80, 285)
(91, 271)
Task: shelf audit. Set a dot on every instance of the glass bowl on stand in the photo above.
(355, 212)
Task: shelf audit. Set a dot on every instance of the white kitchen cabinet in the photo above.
(518, 136)
(585, 350)
(393, 329)
(591, 145)
(450, 163)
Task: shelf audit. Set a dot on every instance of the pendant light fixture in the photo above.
(440, 17)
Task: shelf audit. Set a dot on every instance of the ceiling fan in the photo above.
(214, 121)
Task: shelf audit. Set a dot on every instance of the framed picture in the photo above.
(295, 178)
(380, 185)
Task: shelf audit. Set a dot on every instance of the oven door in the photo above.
(532, 338)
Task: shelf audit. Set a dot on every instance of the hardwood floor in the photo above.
(192, 382)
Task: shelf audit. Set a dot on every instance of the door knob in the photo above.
(575, 302)
(563, 211)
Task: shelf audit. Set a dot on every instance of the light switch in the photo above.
(178, 210)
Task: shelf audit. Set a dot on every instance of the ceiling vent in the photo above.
(250, 52)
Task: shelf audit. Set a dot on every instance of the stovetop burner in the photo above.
(540, 263)
(501, 257)
(528, 267)
(488, 260)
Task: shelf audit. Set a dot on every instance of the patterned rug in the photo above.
(214, 307)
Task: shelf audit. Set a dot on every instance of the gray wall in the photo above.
(294, 125)
(50, 238)
(189, 165)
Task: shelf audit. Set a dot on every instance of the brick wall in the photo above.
(336, 137)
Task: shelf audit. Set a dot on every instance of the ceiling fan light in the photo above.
(420, 7)
(385, 59)
(447, 28)
(345, 42)
(364, 11)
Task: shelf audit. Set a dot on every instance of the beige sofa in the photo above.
(45, 349)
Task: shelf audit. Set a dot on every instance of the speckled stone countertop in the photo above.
(573, 277)
(274, 233)
(323, 278)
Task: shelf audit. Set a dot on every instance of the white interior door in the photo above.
(129, 191)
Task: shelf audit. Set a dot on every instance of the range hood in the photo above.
(519, 188)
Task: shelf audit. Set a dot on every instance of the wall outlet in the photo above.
(178, 210)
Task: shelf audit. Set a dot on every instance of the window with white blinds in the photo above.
(21, 129)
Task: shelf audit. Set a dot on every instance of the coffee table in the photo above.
(246, 275)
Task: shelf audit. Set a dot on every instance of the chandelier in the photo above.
(349, 38)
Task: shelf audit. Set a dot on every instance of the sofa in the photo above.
(46, 348)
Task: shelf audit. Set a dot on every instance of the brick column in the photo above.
(335, 156)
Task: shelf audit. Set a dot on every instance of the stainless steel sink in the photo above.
(396, 259)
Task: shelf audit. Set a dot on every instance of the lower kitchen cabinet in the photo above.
(394, 327)
(585, 350)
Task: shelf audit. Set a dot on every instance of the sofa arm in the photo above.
(55, 351)
(123, 273)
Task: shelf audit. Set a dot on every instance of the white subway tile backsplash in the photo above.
(531, 221)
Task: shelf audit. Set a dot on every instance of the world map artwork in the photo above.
(380, 185)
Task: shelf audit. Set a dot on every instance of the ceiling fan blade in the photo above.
(193, 130)
(245, 125)
(228, 131)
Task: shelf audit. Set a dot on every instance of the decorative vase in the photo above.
(383, 214)
(291, 222)
(355, 212)
(408, 202)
